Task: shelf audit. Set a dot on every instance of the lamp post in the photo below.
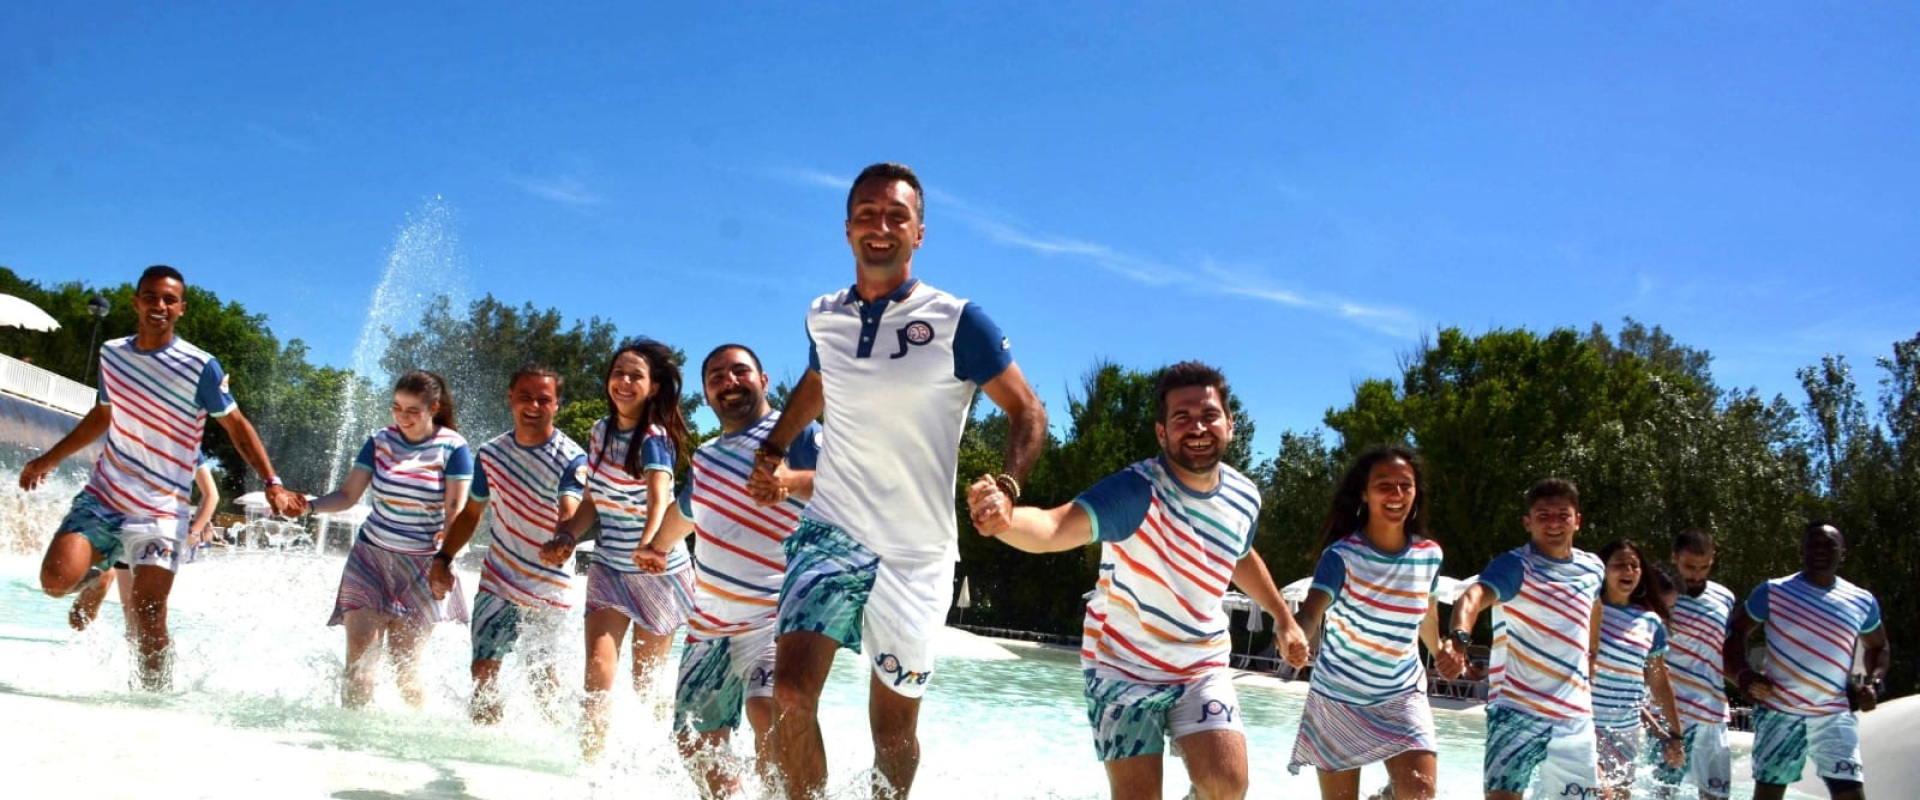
(98, 307)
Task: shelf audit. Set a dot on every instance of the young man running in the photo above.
(156, 392)
(538, 474)
(1174, 531)
(1697, 631)
(1813, 618)
(894, 364)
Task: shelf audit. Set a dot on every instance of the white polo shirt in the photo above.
(899, 375)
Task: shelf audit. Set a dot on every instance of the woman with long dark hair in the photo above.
(632, 456)
(418, 468)
(1374, 588)
(1630, 661)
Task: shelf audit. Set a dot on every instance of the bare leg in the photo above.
(405, 638)
(151, 585)
(708, 763)
(1414, 775)
(606, 629)
(1341, 785)
(86, 606)
(760, 718)
(65, 565)
(1507, 796)
(546, 686)
(1216, 763)
(485, 707)
(1136, 778)
(365, 631)
(895, 720)
(649, 661)
(802, 661)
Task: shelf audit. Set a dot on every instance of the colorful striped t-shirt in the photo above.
(1695, 638)
(523, 487)
(1811, 632)
(1370, 652)
(620, 499)
(740, 563)
(1540, 631)
(1630, 636)
(160, 401)
(410, 486)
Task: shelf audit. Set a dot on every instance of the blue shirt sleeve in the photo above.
(1503, 575)
(1757, 603)
(656, 452)
(459, 464)
(1872, 620)
(365, 459)
(1330, 575)
(813, 351)
(804, 452)
(1659, 640)
(478, 493)
(1117, 505)
(212, 392)
(573, 480)
(980, 351)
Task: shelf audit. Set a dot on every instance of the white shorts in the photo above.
(154, 542)
(1709, 765)
(887, 610)
(1131, 718)
(1783, 742)
(1526, 750)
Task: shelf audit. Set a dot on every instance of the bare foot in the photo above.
(86, 606)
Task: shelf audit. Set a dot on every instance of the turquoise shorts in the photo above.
(100, 525)
(838, 588)
(1709, 764)
(1782, 742)
(116, 537)
(1131, 718)
(1520, 744)
(717, 676)
(500, 624)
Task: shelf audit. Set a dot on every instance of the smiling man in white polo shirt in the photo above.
(894, 364)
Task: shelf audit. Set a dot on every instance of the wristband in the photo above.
(1008, 486)
(569, 537)
(274, 481)
(769, 449)
(443, 558)
(1460, 638)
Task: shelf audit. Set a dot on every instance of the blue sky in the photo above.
(1295, 192)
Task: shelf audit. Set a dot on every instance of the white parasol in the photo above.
(18, 313)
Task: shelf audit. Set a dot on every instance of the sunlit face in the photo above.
(1822, 550)
(630, 383)
(1390, 491)
(883, 225)
(534, 400)
(735, 388)
(1623, 573)
(1197, 429)
(413, 416)
(1553, 521)
(1694, 569)
(158, 304)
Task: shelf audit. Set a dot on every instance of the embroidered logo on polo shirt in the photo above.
(913, 334)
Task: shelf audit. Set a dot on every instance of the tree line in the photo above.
(1632, 416)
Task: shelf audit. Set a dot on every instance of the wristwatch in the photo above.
(1460, 638)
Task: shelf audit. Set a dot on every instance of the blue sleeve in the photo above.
(656, 453)
(573, 480)
(686, 497)
(365, 459)
(980, 352)
(813, 351)
(478, 493)
(1330, 575)
(459, 464)
(212, 392)
(1117, 505)
(1873, 615)
(1659, 640)
(1503, 575)
(1757, 603)
(804, 452)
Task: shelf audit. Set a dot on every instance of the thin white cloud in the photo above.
(568, 189)
(999, 229)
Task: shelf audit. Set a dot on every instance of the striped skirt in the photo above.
(659, 603)
(395, 585)
(1336, 736)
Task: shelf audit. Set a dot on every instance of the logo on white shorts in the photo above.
(1216, 708)
(890, 665)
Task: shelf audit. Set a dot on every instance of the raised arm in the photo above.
(1030, 528)
(91, 427)
(1026, 420)
(1466, 613)
(804, 405)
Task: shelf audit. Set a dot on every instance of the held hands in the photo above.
(989, 507)
(285, 502)
(1674, 752)
(766, 485)
(649, 559)
(440, 578)
(557, 550)
(1449, 661)
(1757, 686)
(1864, 697)
(1293, 647)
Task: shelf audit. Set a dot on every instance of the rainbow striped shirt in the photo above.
(529, 483)
(1694, 660)
(1630, 637)
(739, 560)
(1167, 557)
(1371, 650)
(620, 499)
(1541, 630)
(410, 486)
(160, 401)
(1811, 632)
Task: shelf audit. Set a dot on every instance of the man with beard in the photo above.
(156, 392)
(1696, 632)
(894, 364)
(1806, 695)
(538, 474)
(1173, 531)
(729, 659)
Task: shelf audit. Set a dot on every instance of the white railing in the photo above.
(22, 379)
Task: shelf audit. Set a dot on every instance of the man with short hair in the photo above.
(1174, 531)
(894, 364)
(538, 474)
(728, 663)
(1696, 632)
(1814, 619)
(156, 392)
